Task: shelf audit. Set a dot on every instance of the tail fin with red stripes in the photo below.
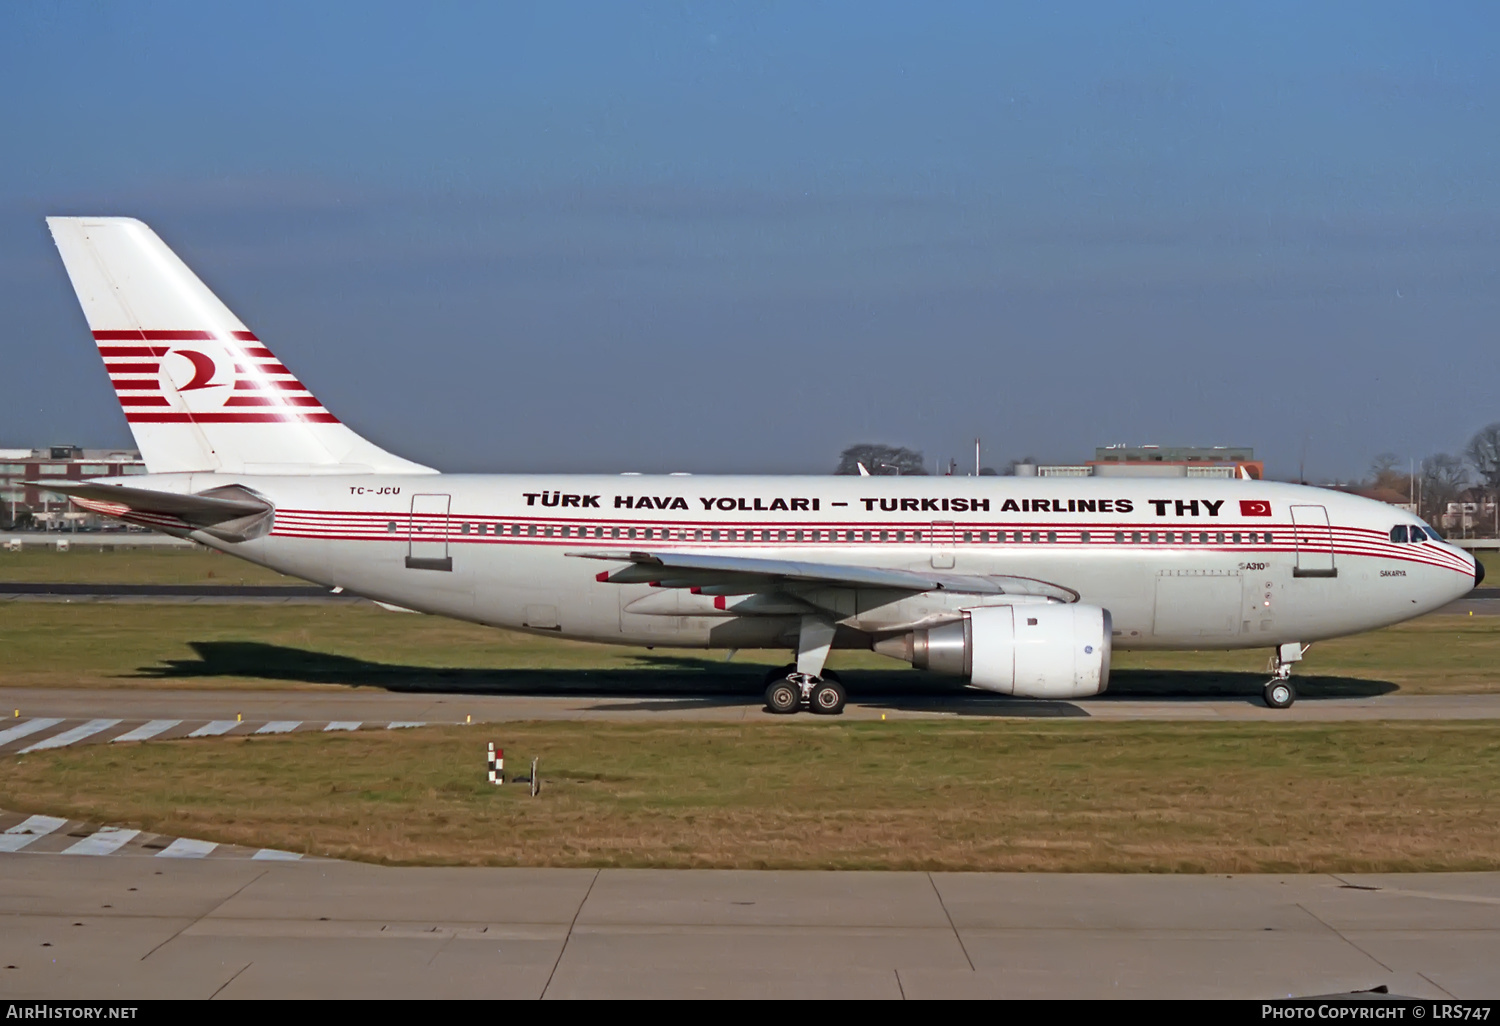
(199, 390)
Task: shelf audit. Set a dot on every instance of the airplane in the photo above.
(1021, 586)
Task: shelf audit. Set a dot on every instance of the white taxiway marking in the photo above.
(343, 725)
(67, 737)
(399, 724)
(106, 841)
(22, 834)
(186, 848)
(147, 730)
(214, 728)
(280, 727)
(24, 728)
(273, 854)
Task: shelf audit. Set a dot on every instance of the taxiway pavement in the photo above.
(155, 927)
(250, 711)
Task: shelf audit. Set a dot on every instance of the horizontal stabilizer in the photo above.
(233, 513)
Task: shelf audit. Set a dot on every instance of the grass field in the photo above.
(1491, 560)
(990, 795)
(340, 646)
(134, 566)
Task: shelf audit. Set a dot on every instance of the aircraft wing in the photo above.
(748, 573)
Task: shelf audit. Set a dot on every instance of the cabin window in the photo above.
(1084, 537)
(1119, 537)
(391, 527)
(1052, 537)
(1135, 537)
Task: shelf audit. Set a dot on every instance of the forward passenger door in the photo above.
(1313, 538)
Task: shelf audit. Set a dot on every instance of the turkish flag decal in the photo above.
(1254, 508)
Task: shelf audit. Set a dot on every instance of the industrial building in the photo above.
(1157, 461)
(33, 506)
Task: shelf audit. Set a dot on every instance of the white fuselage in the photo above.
(1178, 563)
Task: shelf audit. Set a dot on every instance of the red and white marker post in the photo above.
(497, 764)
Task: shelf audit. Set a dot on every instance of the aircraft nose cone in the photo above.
(1478, 572)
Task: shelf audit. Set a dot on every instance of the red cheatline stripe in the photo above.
(159, 335)
(133, 401)
(132, 368)
(260, 400)
(231, 418)
(255, 386)
(116, 351)
(135, 384)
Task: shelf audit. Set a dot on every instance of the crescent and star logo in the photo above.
(1255, 508)
(197, 377)
(204, 369)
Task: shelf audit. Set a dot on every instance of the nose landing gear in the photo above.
(1279, 693)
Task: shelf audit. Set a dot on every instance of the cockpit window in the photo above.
(1417, 535)
(1398, 533)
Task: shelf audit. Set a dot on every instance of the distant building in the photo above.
(35, 505)
(1158, 461)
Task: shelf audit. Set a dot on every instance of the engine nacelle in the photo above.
(1052, 650)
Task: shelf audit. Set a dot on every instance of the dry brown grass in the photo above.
(983, 795)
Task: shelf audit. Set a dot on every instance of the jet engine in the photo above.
(1051, 650)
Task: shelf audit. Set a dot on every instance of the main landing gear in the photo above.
(806, 680)
(1279, 693)
(787, 690)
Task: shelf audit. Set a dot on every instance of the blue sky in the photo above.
(740, 237)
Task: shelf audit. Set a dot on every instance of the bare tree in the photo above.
(1483, 454)
(1444, 478)
(881, 459)
(1387, 475)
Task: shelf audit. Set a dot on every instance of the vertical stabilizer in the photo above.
(199, 390)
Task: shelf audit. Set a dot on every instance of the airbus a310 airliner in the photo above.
(1022, 586)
